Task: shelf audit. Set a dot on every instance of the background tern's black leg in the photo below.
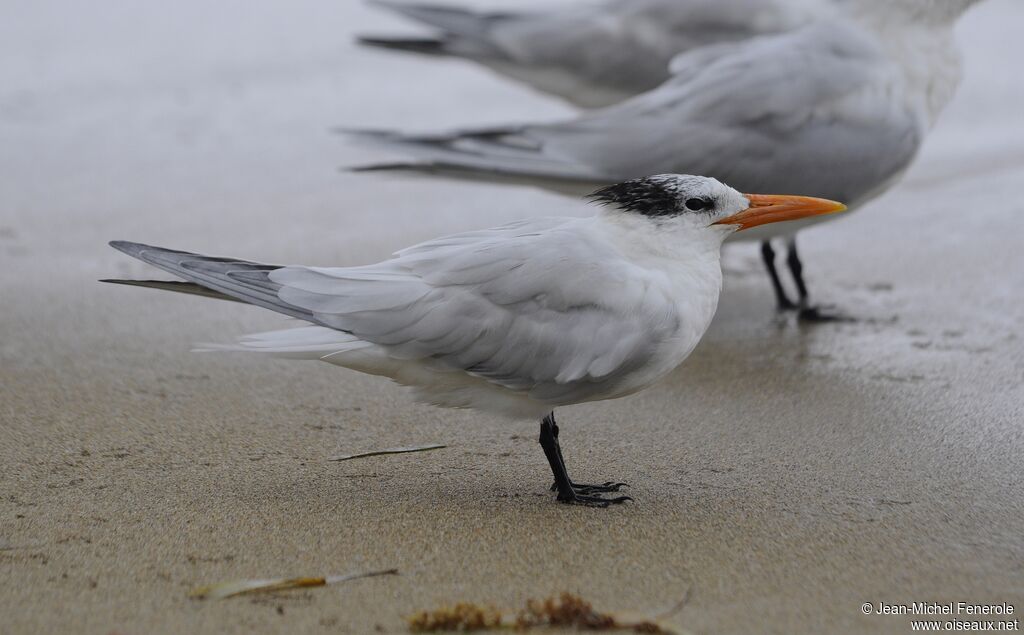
(568, 492)
(808, 312)
(768, 255)
(796, 268)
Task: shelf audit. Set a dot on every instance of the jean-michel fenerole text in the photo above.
(947, 608)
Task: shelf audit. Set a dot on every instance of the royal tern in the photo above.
(592, 54)
(518, 319)
(837, 108)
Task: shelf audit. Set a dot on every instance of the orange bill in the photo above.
(771, 208)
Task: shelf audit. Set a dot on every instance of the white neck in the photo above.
(671, 239)
(688, 256)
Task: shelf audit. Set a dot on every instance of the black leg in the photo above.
(808, 312)
(768, 255)
(581, 488)
(569, 492)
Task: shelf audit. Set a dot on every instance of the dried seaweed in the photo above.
(238, 587)
(463, 616)
(564, 611)
(361, 455)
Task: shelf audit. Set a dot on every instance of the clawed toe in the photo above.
(591, 501)
(607, 486)
(588, 488)
(586, 494)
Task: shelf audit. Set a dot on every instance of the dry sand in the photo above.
(783, 477)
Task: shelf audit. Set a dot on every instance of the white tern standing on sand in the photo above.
(592, 54)
(518, 319)
(837, 109)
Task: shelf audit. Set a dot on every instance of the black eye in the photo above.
(697, 204)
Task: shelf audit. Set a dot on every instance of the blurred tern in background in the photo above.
(593, 54)
(837, 109)
(518, 319)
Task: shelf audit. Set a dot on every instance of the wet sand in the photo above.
(783, 477)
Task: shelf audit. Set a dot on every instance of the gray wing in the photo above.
(617, 48)
(515, 306)
(814, 111)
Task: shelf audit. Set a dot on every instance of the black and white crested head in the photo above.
(670, 195)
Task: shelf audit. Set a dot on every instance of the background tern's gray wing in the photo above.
(450, 20)
(819, 111)
(462, 32)
(509, 155)
(598, 54)
(542, 307)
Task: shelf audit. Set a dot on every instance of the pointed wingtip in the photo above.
(364, 133)
(385, 167)
(127, 246)
(126, 283)
(421, 45)
(129, 283)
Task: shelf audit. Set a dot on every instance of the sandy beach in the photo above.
(783, 477)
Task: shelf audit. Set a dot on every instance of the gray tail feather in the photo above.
(574, 188)
(406, 166)
(492, 155)
(241, 280)
(178, 286)
(453, 20)
(424, 46)
(435, 148)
